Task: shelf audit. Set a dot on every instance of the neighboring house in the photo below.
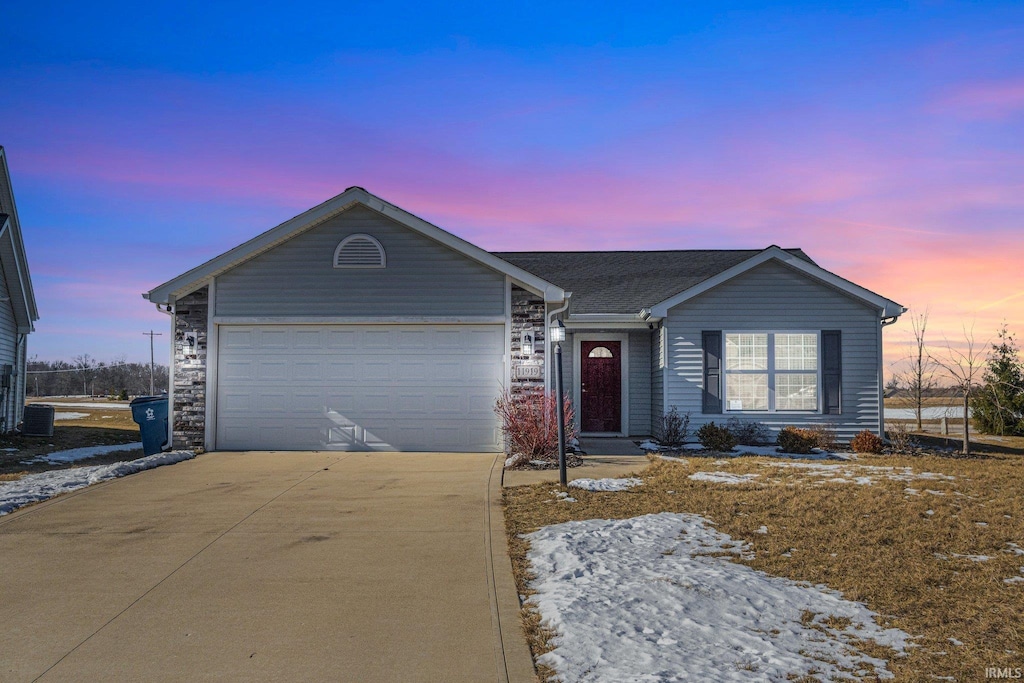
(17, 306)
(358, 326)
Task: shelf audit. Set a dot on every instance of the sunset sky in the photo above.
(885, 139)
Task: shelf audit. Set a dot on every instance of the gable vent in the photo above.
(359, 251)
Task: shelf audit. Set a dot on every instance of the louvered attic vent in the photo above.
(359, 251)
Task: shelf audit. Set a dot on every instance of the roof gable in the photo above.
(12, 255)
(627, 282)
(886, 307)
(196, 277)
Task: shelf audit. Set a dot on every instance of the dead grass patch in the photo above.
(909, 550)
(97, 428)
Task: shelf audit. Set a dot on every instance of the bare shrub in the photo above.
(715, 438)
(529, 422)
(867, 442)
(901, 440)
(750, 433)
(826, 437)
(796, 440)
(674, 428)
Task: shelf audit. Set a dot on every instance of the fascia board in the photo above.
(886, 307)
(194, 278)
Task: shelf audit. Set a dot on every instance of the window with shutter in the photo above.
(359, 251)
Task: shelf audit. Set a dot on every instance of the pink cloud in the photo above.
(990, 100)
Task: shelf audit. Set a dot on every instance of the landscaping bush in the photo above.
(715, 438)
(674, 428)
(749, 433)
(825, 437)
(867, 442)
(796, 440)
(901, 440)
(529, 422)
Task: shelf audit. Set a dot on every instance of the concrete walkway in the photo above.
(267, 566)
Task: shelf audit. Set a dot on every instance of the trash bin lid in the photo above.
(147, 399)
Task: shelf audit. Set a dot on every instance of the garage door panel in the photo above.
(399, 387)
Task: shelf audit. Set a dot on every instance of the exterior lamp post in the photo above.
(557, 333)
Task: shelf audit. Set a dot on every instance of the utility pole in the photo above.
(152, 364)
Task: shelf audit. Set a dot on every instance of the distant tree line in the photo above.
(84, 375)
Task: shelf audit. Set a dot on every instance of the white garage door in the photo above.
(359, 387)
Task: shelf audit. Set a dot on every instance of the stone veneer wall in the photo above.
(189, 409)
(527, 311)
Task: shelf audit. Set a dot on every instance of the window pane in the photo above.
(746, 352)
(600, 352)
(796, 352)
(796, 392)
(746, 392)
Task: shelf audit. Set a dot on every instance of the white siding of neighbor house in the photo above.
(639, 368)
(14, 398)
(773, 298)
(422, 278)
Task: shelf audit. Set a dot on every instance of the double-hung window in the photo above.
(771, 371)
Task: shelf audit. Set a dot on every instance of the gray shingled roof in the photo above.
(627, 281)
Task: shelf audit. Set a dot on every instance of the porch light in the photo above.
(557, 334)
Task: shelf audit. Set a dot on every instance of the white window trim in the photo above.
(771, 372)
(362, 236)
(577, 367)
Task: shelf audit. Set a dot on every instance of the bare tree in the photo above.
(86, 365)
(919, 377)
(964, 367)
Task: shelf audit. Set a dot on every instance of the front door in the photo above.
(600, 386)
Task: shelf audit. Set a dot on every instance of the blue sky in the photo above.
(884, 138)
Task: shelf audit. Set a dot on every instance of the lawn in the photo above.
(926, 542)
(102, 425)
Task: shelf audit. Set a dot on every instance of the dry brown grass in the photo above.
(876, 543)
(99, 427)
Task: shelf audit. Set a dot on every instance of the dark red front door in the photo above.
(600, 386)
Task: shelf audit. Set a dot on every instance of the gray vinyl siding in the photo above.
(640, 383)
(13, 397)
(774, 298)
(657, 382)
(422, 277)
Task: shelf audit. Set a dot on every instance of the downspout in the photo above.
(548, 375)
(885, 322)
(169, 310)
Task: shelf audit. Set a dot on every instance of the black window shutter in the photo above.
(832, 371)
(712, 342)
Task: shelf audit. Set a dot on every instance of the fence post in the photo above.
(945, 426)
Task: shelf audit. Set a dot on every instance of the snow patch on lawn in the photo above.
(33, 488)
(723, 477)
(75, 454)
(864, 475)
(621, 594)
(69, 416)
(605, 484)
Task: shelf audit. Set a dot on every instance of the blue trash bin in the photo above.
(150, 412)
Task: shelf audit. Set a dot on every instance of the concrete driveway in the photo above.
(266, 566)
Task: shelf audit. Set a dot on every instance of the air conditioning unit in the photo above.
(38, 420)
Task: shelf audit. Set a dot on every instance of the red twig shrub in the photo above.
(529, 422)
(867, 442)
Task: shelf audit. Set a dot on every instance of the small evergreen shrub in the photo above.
(674, 428)
(715, 438)
(867, 442)
(796, 440)
(749, 433)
